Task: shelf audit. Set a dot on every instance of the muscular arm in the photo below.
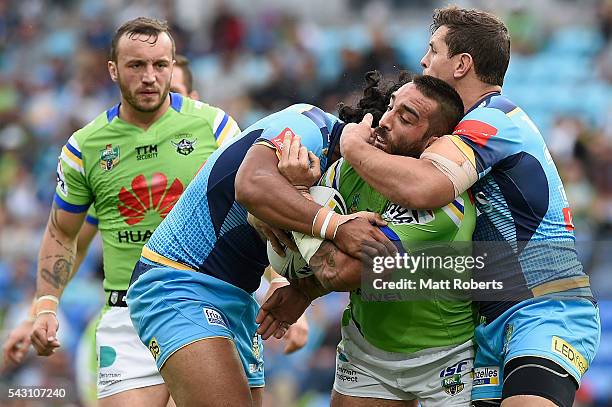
(265, 193)
(410, 182)
(58, 250)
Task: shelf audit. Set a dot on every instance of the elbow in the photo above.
(244, 195)
(247, 191)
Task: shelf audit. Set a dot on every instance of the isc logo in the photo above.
(454, 369)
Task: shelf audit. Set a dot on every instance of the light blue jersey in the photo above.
(524, 224)
(197, 274)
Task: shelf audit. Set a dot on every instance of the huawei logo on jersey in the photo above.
(157, 196)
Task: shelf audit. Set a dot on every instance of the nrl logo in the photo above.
(184, 147)
(109, 157)
(114, 297)
(453, 385)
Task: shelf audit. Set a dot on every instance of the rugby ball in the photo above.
(293, 265)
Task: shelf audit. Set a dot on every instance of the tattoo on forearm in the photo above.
(60, 275)
(54, 225)
(323, 263)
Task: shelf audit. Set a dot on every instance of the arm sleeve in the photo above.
(487, 136)
(224, 127)
(331, 178)
(72, 192)
(92, 217)
(296, 122)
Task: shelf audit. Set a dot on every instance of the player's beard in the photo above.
(397, 145)
(131, 98)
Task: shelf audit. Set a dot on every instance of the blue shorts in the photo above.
(173, 308)
(565, 331)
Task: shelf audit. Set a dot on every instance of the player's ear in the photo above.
(194, 95)
(463, 64)
(112, 70)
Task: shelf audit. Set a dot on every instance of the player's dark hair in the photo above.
(377, 95)
(376, 98)
(183, 63)
(141, 26)
(480, 34)
(450, 105)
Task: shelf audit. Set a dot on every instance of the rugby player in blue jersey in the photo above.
(197, 274)
(539, 334)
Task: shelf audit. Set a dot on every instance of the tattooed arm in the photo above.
(18, 342)
(334, 269)
(55, 265)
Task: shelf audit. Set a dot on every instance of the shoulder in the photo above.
(493, 114)
(492, 120)
(190, 107)
(220, 123)
(198, 109)
(79, 146)
(98, 124)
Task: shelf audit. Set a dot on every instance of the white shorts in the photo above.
(86, 364)
(436, 377)
(124, 363)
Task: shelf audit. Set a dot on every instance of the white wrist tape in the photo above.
(46, 304)
(279, 280)
(46, 311)
(48, 297)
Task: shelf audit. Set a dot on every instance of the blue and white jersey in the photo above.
(520, 201)
(207, 230)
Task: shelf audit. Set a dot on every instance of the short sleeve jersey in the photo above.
(133, 177)
(208, 230)
(408, 326)
(521, 202)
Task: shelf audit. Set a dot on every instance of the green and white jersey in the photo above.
(408, 326)
(133, 177)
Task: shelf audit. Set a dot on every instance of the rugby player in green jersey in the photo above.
(394, 353)
(131, 163)
(18, 341)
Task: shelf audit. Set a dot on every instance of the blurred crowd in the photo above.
(251, 60)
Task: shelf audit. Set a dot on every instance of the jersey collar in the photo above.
(176, 102)
(334, 140)
(484, 101)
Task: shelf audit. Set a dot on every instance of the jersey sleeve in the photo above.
(292, 121)
(92, 217)
(331, 177)
(487, 136)
(224, 126)
(72, 192)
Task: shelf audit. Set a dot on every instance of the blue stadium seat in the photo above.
(575, 40)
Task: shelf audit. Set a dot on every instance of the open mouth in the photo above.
(380, 138)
